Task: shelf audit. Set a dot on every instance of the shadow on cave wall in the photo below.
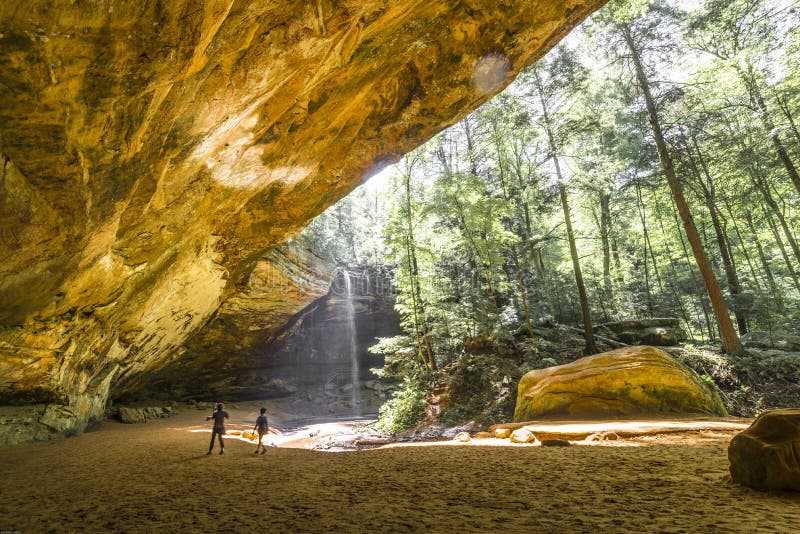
(308, 364)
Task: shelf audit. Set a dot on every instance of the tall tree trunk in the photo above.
(755, 93)
(507, 223)
(709, 197)
(697, 289)
(788, 114)
(605, 228)
(730, 339)
(782, 248)
(417, 333)
(648, 293)
(649, 241)
(764, 263)
(763, 186)
(674, 282)
(742, 244)
(419, 308)
(730, 268)
(522, 292)
(591, 348)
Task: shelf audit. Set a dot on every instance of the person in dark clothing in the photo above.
(219, 415)
(262, 427)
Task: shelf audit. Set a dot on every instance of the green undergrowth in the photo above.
(406, 407)
(761, 379)
(480, 384)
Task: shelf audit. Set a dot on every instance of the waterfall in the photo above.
(351, 327)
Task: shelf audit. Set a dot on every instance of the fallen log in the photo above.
(604, 339)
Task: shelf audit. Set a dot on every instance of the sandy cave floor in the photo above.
(155, 477)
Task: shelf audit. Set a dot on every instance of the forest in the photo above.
(645, 167)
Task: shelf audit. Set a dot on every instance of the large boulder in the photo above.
(624, 382)
(766, 456)
(664, 331)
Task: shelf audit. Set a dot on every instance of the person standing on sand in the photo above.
(262, 426)
(219, 417)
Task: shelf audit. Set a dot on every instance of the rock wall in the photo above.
(226, 358)
(152, 152)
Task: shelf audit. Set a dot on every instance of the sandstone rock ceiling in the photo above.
(153, 151)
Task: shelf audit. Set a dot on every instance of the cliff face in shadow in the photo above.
(152, 153)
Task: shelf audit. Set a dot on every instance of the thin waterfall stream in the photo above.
(351, 327)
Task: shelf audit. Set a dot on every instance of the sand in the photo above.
(155, 477)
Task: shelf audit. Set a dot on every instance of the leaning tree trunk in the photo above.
(674, 281)
(769, 126)
(742, 246)
(777, 236)
(697, 289)
(730, 339)
(591, 348)
(788, 114)
(416, 293)
(731, 274)
(648, 292)
(764, 263)
(605, 230)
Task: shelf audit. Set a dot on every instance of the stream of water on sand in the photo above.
(351, 327)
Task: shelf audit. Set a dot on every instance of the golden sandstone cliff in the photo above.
(153, 154)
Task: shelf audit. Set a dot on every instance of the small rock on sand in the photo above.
(602, 436)
(521, 435)
(502, 433)
(463, 437)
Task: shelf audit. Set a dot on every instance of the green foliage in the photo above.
(472, 226)
(406, 408)
(480, 387)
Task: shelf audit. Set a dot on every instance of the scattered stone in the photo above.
(603, 436)
(502, 433)
(430, 433)
(452, 432)
(628, 381)
(142, 415)
(766, 456)
(521, 435)
(483, 435)
(555, 443)
(463, 437)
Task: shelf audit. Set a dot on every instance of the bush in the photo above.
(405, 409)
(480, 387)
